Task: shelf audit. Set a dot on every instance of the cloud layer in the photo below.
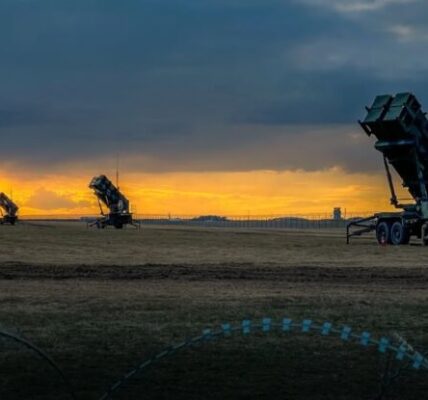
(357, 6)
(49, 200)
(186, 85)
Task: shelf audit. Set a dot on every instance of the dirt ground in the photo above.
(101, 301)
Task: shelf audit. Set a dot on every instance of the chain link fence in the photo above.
(272, 221)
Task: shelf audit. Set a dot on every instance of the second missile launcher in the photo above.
(110, 196)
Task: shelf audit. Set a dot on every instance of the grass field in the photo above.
(101, 301)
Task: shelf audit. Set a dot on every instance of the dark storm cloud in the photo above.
(202, 85)
(12, 116)
(245, 148)
(22, 117)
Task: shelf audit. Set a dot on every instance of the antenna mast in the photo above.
(117, 171)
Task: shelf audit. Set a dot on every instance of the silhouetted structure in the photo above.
(337, 213)
(8, 210)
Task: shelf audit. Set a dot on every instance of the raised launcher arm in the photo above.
(8, 210)
(401, 128)
(114, 200)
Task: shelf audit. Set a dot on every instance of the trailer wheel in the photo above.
(383, 234)
(424, 237)
(399, 233)
(100, 225)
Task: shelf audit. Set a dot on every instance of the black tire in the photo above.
(118, 226)
(399, 234)
(383, 233)
(100, 225)
(424, 234)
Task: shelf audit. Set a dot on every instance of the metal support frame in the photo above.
(421, 180)
(365, 224)
(106, 220)
(394, 200)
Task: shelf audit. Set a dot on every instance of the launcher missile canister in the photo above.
(401, 129)
(9, 210)
(111, 197)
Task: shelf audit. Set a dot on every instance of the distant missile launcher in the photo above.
(8, 210)
(401, 129)
(117, 204)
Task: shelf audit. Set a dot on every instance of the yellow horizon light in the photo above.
(197, 193)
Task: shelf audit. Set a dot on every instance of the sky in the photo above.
(212, 106)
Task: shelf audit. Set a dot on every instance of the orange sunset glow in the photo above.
(225, 193)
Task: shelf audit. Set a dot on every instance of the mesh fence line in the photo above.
(284, 221)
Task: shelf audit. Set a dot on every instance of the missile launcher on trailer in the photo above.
(401, 130)
(8, 210)
(118, 205)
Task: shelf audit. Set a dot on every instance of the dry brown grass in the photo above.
(100, 301)
(73, 244)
